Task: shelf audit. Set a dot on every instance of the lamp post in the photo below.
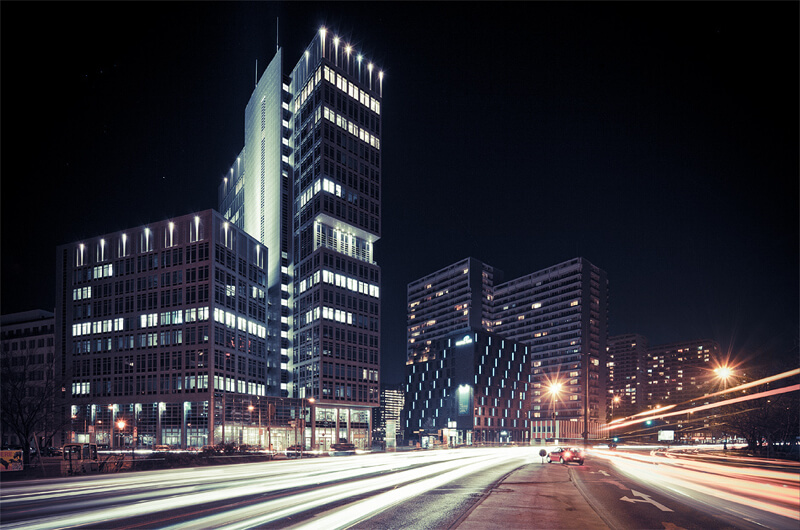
(312, 419)
(120, 426)
(250, 409)
(111, 440)
(554, 390)
(270, 408)
(724, 373)
(614, 402)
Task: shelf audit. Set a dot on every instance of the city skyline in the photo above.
(658, 141)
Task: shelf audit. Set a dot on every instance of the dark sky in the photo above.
(658, 140)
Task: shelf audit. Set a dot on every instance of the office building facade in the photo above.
(307, 185)
(161, 337)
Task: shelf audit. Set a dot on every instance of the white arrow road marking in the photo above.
(645, 498)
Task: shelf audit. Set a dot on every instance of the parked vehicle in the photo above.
(294, 450)
(80, 458)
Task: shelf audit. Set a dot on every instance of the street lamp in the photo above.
(614, 401)
(554, 390)
(120, 426)
(250, 408)
(312, 418)
(724, 373)
(111, 423)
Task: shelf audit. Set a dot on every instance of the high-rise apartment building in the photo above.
(560, 313)
(307, 185)
(456, 297)
(627, 379)
(680, 371)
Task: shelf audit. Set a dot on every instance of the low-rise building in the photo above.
(28, 386)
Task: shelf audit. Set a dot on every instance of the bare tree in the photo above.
(766, 421)
(27, 397)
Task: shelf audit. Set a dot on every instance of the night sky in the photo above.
(657, 140)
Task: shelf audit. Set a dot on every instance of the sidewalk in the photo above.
(534, 496)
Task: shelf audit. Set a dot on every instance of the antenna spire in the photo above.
(256, 72)
(277, 24)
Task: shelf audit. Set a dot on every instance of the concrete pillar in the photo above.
(349, 433)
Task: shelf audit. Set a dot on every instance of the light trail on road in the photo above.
(245, 495)
(735, 489)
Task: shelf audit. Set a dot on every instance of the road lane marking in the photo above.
(645, 498)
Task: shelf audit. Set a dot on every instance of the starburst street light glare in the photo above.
(723, 372)
(555, 388)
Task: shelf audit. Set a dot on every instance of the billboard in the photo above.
(666, 436)
(11, 460)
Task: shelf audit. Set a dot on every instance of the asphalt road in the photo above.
(386, 490)
(420, 490)
(656, 491)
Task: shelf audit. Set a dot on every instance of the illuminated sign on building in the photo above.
(466, 340)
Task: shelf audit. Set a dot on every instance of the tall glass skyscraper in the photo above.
(307, 185)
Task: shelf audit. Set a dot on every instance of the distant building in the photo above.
(680, 371)
(392, 400)
(307, 185)
(627, 377)
(161, 336)
(472, 388)
(28, 376)
(560, 313)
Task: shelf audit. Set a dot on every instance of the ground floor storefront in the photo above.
(272, 423)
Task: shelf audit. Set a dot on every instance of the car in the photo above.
(294, 450)
(52, 451)
(560, 454)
